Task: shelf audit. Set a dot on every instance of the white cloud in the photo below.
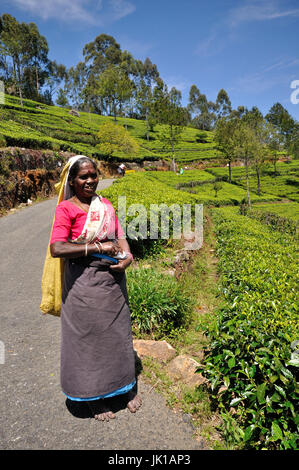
(226, 31)
(83, 11)
(214, 43)
(121, 8)
(177, 82)
(205, 46)
(260, 10)
(277, 74)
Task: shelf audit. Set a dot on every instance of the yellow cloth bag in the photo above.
(53, 267)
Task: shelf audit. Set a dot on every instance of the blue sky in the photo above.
(248, 47)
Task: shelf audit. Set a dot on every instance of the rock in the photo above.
(73, 112)
(160, 350)
(184, 368)
(169, 272)
(181, 255)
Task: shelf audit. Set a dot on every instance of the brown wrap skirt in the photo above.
(97, 356)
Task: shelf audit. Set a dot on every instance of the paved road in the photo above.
(33, 411)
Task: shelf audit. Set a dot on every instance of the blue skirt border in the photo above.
(119, 391)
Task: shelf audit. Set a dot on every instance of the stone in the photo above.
(184, 368)
(169, 272)
(160, 350)
(181, 255)
(73, 112)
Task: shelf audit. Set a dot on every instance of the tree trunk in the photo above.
(275, 158)
(147, 126)
(114, 111)
(19, 78)
(229, 171)
(258, 180)
(37, 80)
(247, 181)
(173, 157)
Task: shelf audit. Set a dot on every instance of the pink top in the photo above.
(70, 219)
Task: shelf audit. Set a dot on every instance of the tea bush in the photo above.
(284, 184)
(228, 194)
(277, 221)
(141, 194)
(253, 346)
(157, 302)
(37, 125)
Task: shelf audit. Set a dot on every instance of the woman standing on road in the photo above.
(97, 356)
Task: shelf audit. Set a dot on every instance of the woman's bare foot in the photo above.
(105, 416)
(100, 410)
(134, 402)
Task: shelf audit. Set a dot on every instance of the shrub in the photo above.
(141, 190)
(253, 344)
(2, 141)
(277, 222)
(158, 304)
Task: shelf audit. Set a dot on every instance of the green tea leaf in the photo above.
(231, 362)
(248, 432)
(276, 432)
(260, 393)
(235, 401)
(293, 362)
(280, 390)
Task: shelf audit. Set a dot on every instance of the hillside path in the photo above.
(33, 410)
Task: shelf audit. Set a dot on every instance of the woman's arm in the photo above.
(73, 250)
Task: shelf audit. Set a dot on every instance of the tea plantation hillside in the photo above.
(39, 126)
(282, 182)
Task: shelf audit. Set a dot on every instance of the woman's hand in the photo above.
(110, 248)
(122, 265)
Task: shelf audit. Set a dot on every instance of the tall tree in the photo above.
(239, 112)
(14, 44)
(223, 104)
(255, 120)
(282, 120)
(115, 87)
(144, 101)
(293, 146)
(224, 138)
(246, 145)
(146, 77)
(38, 55)
(24, 57)
(75, 83)
(276, 144)
(263, 133)
(61, 99)
(170, 114)
(101, 53)
(202, 110)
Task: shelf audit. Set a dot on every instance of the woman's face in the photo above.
(86, 181)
